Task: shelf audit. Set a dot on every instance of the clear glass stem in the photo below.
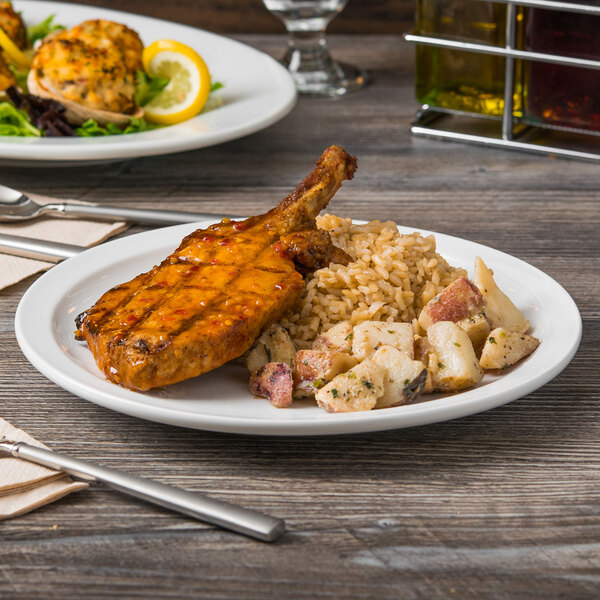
(308, 53)
(307, 56)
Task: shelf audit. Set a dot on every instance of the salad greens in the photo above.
(22, 112)
(20, 76)
(92, 128)
(15, 122)
(148, 87)
(41, 30)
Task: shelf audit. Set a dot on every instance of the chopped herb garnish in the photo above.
(318, 383)
(391, 331)
(267, 352)
(406, 381)
(367, 384)
(349, 336)
(305, 362)
(506, 366)
(492, 340)
(457, 344)
(334, 393)
(441, 365)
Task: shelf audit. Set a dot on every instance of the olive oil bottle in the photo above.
(457, 80)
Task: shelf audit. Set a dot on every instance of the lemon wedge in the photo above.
(189, 82)
(14, 55)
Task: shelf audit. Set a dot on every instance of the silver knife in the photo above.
(229, 516)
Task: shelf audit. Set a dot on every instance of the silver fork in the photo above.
(17, 206)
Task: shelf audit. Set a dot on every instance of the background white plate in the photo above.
(258, 92)
(220, 400)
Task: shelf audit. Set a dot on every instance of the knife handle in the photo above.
(242, 520)
(37, 249)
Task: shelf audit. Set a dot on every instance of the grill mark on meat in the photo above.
(152, 307)
(215, 302)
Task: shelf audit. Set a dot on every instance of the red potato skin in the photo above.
(273, 381)
(461, 299)
(309, 365)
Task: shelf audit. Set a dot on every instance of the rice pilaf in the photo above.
(392, 277)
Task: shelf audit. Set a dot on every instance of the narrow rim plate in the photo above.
(258, 92)
(220, 400)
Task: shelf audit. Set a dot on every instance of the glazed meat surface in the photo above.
(208, 301)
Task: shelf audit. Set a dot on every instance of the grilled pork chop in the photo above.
(208, 301)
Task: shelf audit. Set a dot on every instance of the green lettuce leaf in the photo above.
(147, 87)
(20, 76)
(15, 122)
(92, 128)
(41, 30)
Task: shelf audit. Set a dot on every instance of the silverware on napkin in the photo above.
(16, 206)
(37, 249)
(241, 520)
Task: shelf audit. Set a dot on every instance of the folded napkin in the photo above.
(25, 485)
(81, 232)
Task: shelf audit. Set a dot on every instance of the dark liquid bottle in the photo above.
(558, 95)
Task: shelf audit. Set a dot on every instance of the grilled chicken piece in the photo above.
(12, 25)
(93, 65)
(208, 301)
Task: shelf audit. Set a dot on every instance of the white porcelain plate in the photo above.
(258, 92)
(220, 400)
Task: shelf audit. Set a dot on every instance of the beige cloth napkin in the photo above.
(81, 232)
(25, 485)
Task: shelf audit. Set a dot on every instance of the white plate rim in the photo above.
(53, 150)
(106, 394)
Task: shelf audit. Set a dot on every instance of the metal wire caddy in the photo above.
(514, 135)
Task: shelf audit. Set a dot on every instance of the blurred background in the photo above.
(250, 16)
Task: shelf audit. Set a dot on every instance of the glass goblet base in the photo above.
(338, 79)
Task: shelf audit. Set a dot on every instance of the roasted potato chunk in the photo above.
(404, 378)
(274, 345)
(370, 335)
(356, 390)
(452, 360)
(500, 310)
(273, 381)
(320, 366)
(458, 301)
(504, 348)
(339, 338)
(477, 328)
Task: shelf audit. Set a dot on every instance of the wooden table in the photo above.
(499, 505)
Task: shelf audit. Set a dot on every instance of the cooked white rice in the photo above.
(391, 278)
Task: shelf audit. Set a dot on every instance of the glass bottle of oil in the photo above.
(456, 79)
(561, 95)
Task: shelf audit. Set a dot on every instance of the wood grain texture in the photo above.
(500, 505)
(251, 16)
